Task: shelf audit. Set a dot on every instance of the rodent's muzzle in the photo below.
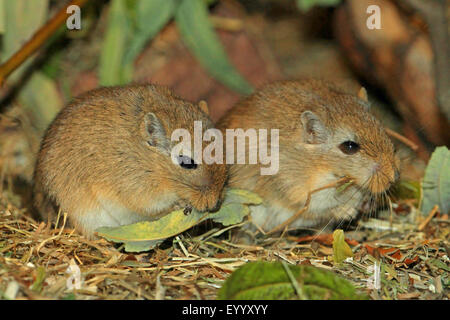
(216, 207)
(208, 202)
(382, 180)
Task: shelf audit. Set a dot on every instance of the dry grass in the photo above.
(34, 260)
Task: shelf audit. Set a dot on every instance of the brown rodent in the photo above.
(106, 159)
(325, 134)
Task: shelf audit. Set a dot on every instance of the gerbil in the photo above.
(324, 134)
(106, 159)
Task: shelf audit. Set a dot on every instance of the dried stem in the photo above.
(38, 39)
(429, 217)
(403, 139)
(305, 207)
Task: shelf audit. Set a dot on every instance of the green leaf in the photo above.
(341, 250)
(40, 277)
(2, 16)
(230, 214)
(436, 183)
(407, 190)
(151, 17)
(235, 206)
(70, 296)
(143, 236)
(39, 95)
(112, 71)
(21, 19)
(131, 24)
(198, 34)
(165, 227)
(269, 280)
(439, 264)
(41, 98)
(140, 246)
(305, 5)
(241, 196)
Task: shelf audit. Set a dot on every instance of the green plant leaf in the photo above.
(39, 281)
(41, 98)
(198, 34)
(436, 182)
(407, 190)
(269, 280)
(151, 17)
(235, 206)
(112, 71)
(341, 250)
(2, 16)
(439, 264)
(140, 246)
(21, 19)
(143, 236)
(165, 227)
(305, 5)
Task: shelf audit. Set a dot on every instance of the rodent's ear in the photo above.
(362, 94)
(314, 131)
(204, 106)
(153, 131)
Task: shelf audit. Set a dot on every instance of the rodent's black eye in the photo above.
(349, 147)
(186, 162)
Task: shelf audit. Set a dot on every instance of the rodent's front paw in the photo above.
(187, 210)
(183, 204)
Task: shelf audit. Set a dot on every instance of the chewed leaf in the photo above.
(144, 236)
(436, 183)
(235, 206)
(230, 214)
(341, 250)
(269, 280)
(165, 227)
(139, 246)
(241, 196)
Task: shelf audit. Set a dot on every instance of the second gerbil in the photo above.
(325, 135)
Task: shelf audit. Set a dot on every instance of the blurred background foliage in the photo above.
(228, 48)
(130, 25)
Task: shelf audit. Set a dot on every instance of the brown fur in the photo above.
(304, 165)
(95, 155)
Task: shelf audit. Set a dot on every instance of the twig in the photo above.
(36, 41)
(402, 139)
(227, 24)
(305, 207)
(428, 219)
